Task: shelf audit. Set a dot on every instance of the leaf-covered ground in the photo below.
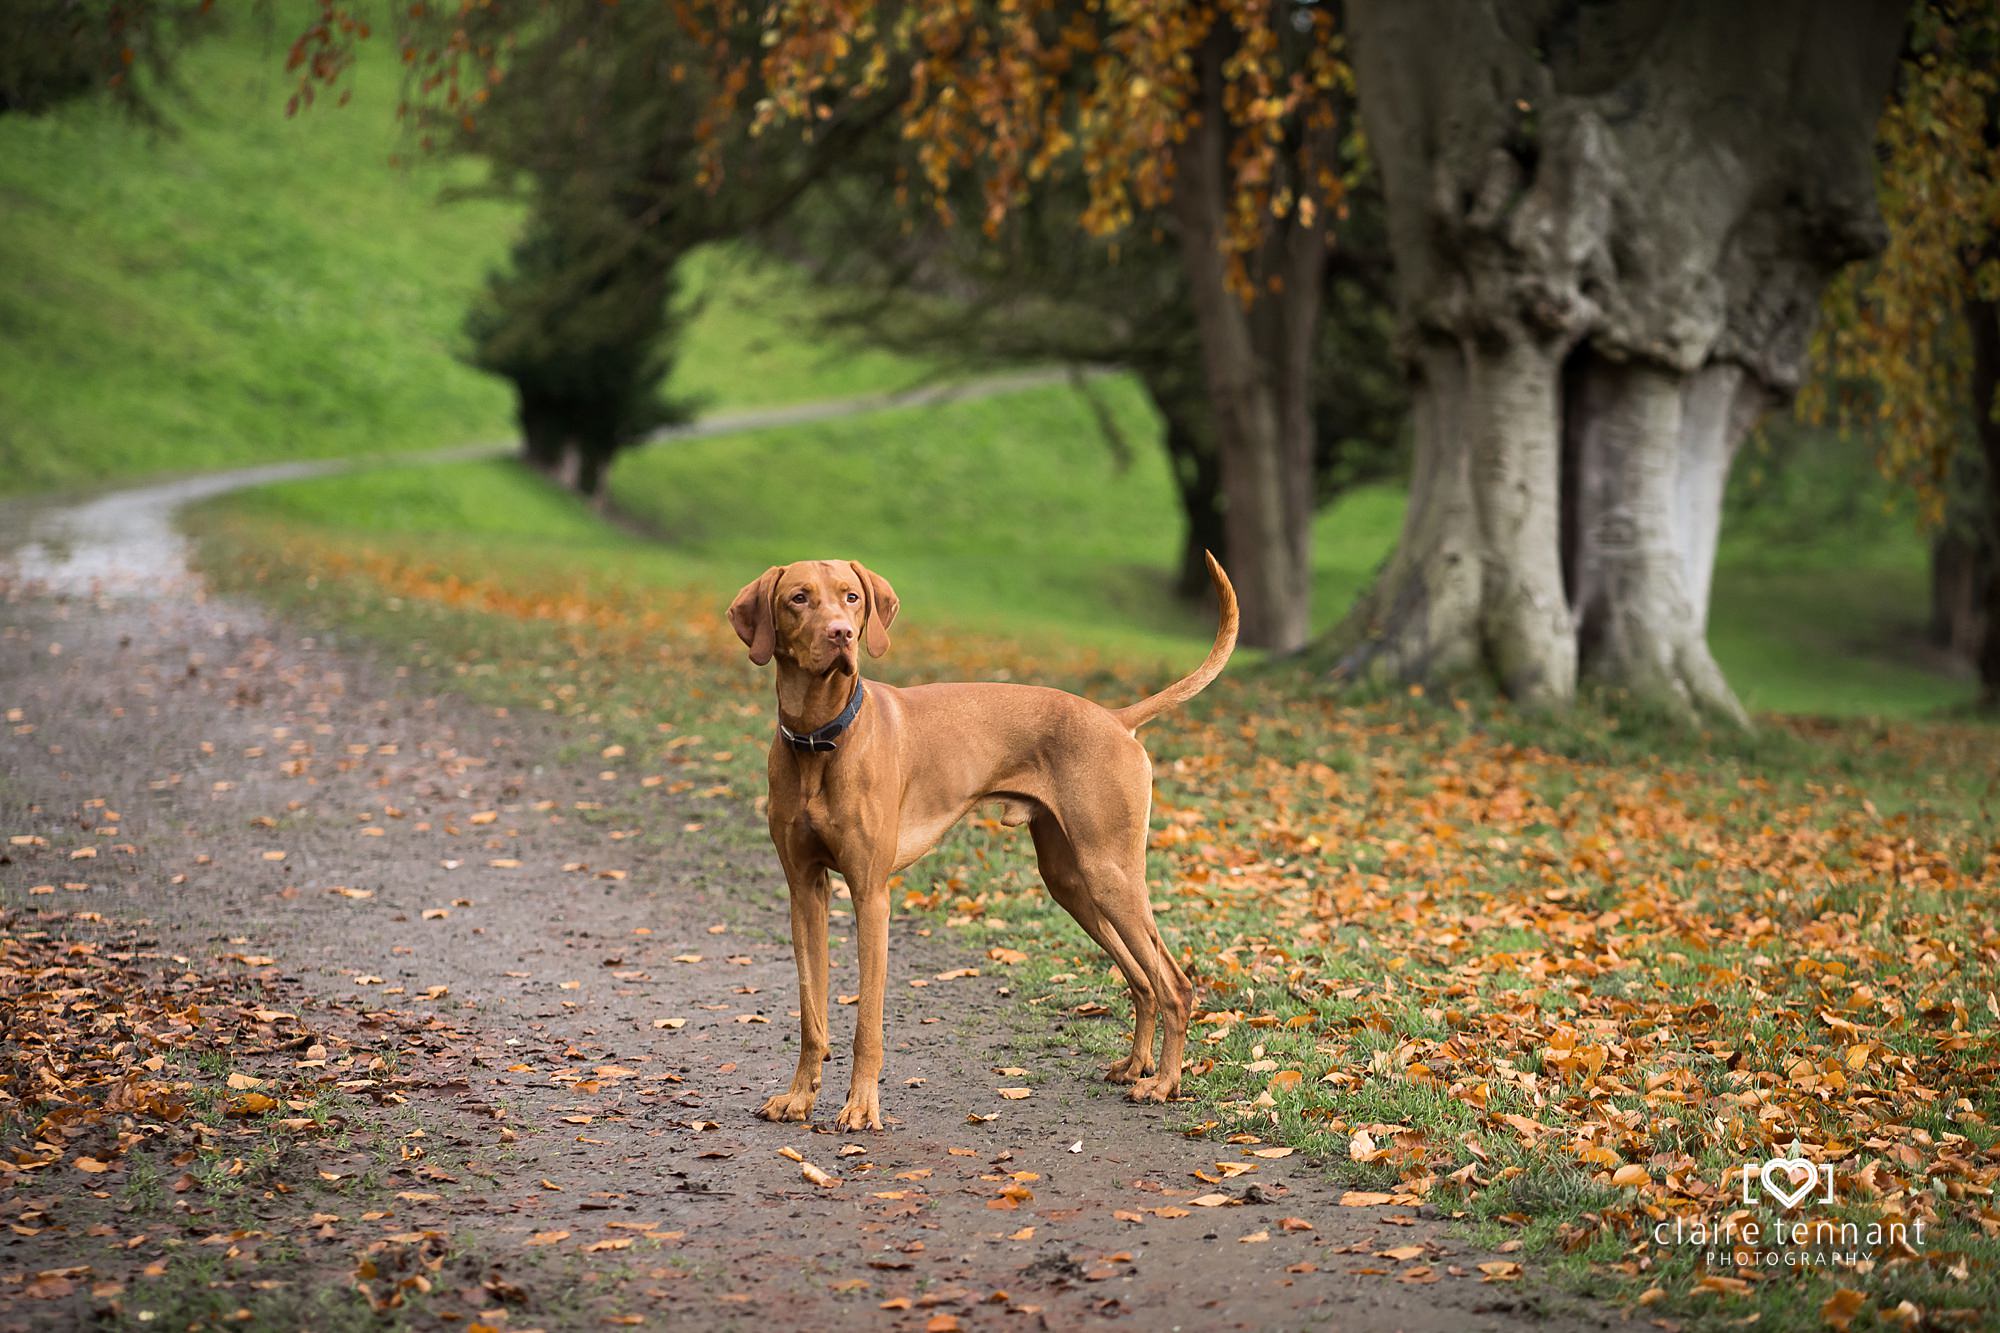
(1563, 980)
(513, 1009)
(150, 1106)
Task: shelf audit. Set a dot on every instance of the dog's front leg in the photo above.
(870, 890)
(810, 894)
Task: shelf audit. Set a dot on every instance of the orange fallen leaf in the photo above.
(1841, 1307)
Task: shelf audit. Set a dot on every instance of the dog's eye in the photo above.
(854, 597)
(798, 599)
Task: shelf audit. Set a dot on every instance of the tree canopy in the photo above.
(1895, 353)
(52, 51)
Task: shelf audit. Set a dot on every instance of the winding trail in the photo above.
(617, 999)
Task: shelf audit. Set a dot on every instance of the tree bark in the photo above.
(541, 434)
(1197, 472)
(1420, 619)
(1648, 484)
(1619, 217)
(1259, 386)
(1512, 435)
(1983, 318)
(1958, 593)
(1720, 404)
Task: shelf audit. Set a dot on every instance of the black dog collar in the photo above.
(825, 738)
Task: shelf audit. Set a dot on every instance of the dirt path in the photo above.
(586, 1075)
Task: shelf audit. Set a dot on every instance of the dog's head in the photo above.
(814, 614)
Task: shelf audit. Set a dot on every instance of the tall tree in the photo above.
(581, 324)
(1036, 291)
(1221, 123)
(1911, 346)
(583, 121)
(604, 117)
(1612, 224)
(53, 51)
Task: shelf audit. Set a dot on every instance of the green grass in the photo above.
(1009, 516)
(1018, 547)
(1822, 589)
(247, 288)
(250, 287)
(1025, 527)
(1443, 922)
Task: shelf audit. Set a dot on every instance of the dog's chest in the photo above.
(826, 819)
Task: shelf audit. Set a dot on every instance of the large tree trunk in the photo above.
(1420, 619)
(1611, 225)
(1983, 318)
(1257, 360)
(541, 433)
(1959, 575)
(1197, 472)
(1649, 461)
(1475, 581)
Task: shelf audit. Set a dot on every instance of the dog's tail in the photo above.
(1135, 716)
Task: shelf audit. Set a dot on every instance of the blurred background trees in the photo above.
(1224, 130)
(1038, 289)
(1910, 352)
(601, 119)
(52, 51)
(1560, 319)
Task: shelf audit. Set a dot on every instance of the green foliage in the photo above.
(55, 51)
(244, 289)
(1006, 516)
(1031, 289)
(252, 287)
(581, 324)
(1893, 353)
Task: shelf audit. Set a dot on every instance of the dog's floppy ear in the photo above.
(750, 614)
(881, 608)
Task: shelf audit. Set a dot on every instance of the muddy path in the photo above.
(589, 991)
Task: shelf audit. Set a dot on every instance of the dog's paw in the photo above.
(863, 1110)
(789, 1106)
(1129, 1070)
(1159, 1088)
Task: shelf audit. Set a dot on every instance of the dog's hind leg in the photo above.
(1121, 901)
(1057, 859)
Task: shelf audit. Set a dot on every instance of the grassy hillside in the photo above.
(245, 288)
(1005, 516)
(250, 287)
(1008, 517)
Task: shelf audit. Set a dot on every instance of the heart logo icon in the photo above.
(1779, 1176)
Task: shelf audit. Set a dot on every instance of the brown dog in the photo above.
(866, 780)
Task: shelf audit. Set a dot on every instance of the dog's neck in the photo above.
(806, 701)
